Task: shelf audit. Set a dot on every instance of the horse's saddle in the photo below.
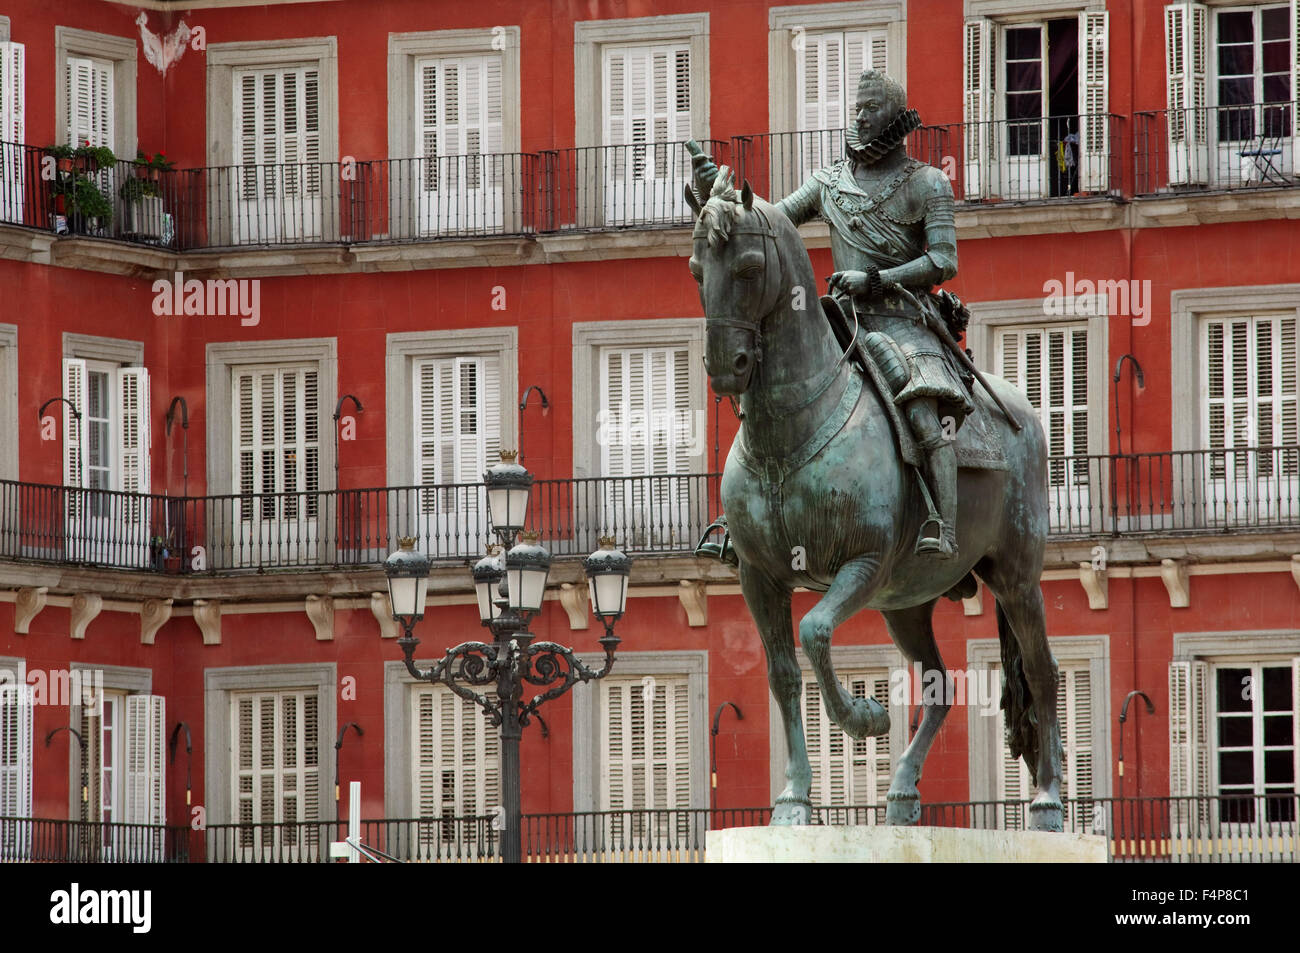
(977, 443)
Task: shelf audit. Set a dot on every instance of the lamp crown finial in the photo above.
(607, 542)
(406, 542)
(509, 456)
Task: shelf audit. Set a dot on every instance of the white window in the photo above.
(459, 134)
(89, 85)
(1232, 75)
(846, 773)
(1234, 739)
(457, 419)
(12, 131)
(456, 760)
(646, 758)
(1036, 102)
(275, 771)
(646, 431)
(276, 424)
(16, 700)
(1079, 760)
(106, 449)
(647, 98)
(1049, 365)
(278, 190)
(1248, 401)
(125, 769)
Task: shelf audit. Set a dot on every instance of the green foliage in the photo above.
(133, 189)
(83, 197)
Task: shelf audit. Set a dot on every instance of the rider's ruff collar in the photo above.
(889, 140)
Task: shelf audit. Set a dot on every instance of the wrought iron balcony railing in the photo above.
(1207, 829)
(1242, 489)
(1216, 148)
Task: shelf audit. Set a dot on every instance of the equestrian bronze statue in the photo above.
(874, 463)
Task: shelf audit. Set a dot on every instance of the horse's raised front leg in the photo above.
(913, 632)
(769, 604)
(849, 592)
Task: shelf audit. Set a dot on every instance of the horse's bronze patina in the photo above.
(815, 466)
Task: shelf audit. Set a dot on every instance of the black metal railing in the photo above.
(1023, 160)
(1205, 829)
(44, 840)
(1215, 148)
(1169, 492)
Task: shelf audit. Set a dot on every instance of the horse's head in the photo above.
(734, 261)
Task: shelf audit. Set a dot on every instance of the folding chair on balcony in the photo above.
(1260, 162)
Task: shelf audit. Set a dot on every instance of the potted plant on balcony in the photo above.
(90, 159)
(88, 209)
(142, 208)
(62, 156)
(152, 167)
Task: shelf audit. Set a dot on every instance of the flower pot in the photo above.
(155, 175)
(64, 163)
(143, 217)
(142, 171)
(172, 564)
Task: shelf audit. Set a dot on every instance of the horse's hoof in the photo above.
(903, 810)
(1046, 814)
(791, 814)
(867, 718)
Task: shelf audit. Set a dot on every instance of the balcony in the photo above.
(1229, 829)
(1215, 149)
(1163, 494)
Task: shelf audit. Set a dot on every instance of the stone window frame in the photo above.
(121, 51)
(589, 337)
(590, 37)
(4, 28)
(15, 665)
(1187, 307)
(844, 658)
(405, 48)
(220, 683)
(320, 52)
(587, 723)
(1011, 11)
(782, 108)
(131, 679)
(984, 750)
(9, 402)
(221, 356)
(89, 347)
(987, 317)
(402, 348)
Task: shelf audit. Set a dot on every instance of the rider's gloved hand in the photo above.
(703, 170)
(863, 285)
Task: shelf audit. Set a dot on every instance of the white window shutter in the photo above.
(74, 459)
(819, 80)
(846, 772)
(91, 769)
(79, 87)
(275, 755)
(863, 50)
(146, 731)
(16, 702)
(1050, 367)
(456, 756)
(979, 91)
(1189, 732)
(1094, 86)
(133, 430)
(1187, 122)
(646, 756)
(12, 103)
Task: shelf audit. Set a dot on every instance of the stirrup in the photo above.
(723, 551)
(942, 545)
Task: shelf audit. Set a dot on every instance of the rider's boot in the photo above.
(938, 537)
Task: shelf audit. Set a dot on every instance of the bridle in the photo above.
(803, 391)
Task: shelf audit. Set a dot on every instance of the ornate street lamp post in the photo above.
(509, 584)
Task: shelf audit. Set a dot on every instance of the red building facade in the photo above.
(434, 208)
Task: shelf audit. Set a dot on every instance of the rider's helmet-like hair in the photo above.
(894, 92)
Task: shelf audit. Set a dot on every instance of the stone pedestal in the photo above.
(899, 845)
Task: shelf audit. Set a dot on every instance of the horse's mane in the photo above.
(721, 211)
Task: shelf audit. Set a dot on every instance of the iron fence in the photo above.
(1205, 829)
(1239, 489)
(1215, 148)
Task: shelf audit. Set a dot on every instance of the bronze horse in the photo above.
(815, 465)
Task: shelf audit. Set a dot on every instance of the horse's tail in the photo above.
(1017, 699)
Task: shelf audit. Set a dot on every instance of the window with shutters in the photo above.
(125, 770)
(647, 424)
(95, 94)
(846, 772)
(106, 461)
(1049, 365)
(13, 131)
(275, 771)
(276, 413)
(456, 764)
(1249, 415)
(1234, 740)
(16, 701)
(1036, 104)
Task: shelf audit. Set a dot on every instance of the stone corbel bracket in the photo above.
(1174, 573)
(27, 606)
(1096, 584)
(320, 610)
(574, 600)
(154, 614)
(85, 606)
(382, 609)
(207, 616)
(694, 596)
